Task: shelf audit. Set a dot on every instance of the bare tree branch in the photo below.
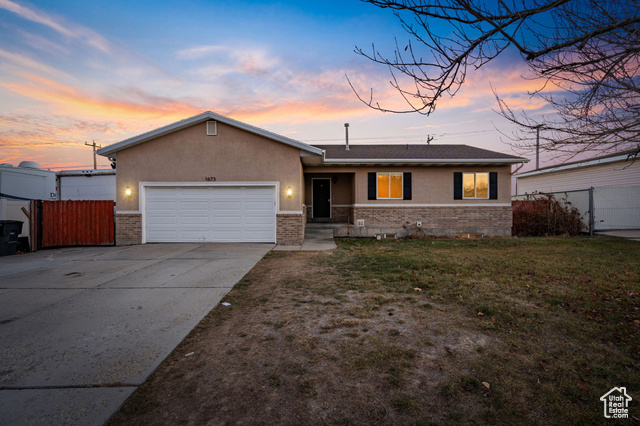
(586, 54)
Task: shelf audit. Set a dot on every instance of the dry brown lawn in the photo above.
(528, 331)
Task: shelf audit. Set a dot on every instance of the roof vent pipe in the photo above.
(346, 134)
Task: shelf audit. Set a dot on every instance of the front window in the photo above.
(475, 185)
(390, 186)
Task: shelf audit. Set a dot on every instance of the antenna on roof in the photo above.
(429, 139)
(346, 133)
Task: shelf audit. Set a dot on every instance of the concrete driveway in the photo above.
(81, 328)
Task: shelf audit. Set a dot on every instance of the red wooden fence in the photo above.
(77, 223)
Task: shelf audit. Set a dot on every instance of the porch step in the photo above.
(328, 225)
(318, 239)
(339, 229)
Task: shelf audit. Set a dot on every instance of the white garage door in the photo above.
(211, 214)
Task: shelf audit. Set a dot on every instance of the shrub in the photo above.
(545, 216)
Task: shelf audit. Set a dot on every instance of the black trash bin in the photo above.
(9, 231)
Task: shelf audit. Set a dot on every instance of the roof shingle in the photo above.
(412, 152)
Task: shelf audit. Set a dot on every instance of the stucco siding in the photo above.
(613, 174)
(430, 185)
(189, 155)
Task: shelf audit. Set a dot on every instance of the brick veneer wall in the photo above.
(128, 229)
(339, 214)
(445, 221)
(290, 228)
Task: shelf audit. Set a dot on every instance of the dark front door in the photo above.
(321, 198)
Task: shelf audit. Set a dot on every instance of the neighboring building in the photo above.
(87, 184)
(19, 185)
(27, 182)
(212, 178)
(609, 170)
(605, 190)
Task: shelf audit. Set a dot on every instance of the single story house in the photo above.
(212, 178)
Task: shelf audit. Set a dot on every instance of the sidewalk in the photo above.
(630, 234)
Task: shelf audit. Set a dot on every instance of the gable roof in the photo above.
(419, 154)
(110, 150)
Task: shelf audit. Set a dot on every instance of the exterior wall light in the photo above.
(128, 192)
(289, 192)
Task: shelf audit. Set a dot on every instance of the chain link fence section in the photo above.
(616, 207)
(578, 199)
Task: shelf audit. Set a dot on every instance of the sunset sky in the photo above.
(76, 71)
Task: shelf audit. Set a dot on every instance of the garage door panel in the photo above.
(259, 205)
(215, 214)
(261, 221)
(160, 236)
(229, 235)
(256, 190)
(167, 195)
(191, 236)
(194, 193)
(227, 221)
(188, 206)
(228, 205)
(172, 221)
(162, 205)
(194, 220)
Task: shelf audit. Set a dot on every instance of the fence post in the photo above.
(591, 212)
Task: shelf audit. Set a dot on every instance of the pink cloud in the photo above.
(82, 103)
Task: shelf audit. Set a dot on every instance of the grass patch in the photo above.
(491, 331)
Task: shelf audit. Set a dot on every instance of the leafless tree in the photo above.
(585, 53)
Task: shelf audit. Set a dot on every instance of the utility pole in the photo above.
(95, 163)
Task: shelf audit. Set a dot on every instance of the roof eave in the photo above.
(586, 163)
(440, 162)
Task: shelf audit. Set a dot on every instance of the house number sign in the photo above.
(209, 179)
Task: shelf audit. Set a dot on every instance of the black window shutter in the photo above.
(493, 185)
(372, 185)
(457, 185)
(406, 186)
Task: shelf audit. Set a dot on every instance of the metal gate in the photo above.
(616, 207)
(76, 223)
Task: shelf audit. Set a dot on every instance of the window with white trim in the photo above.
(475, 185)
(389, 186)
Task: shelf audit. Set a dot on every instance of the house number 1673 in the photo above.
(209, 179)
